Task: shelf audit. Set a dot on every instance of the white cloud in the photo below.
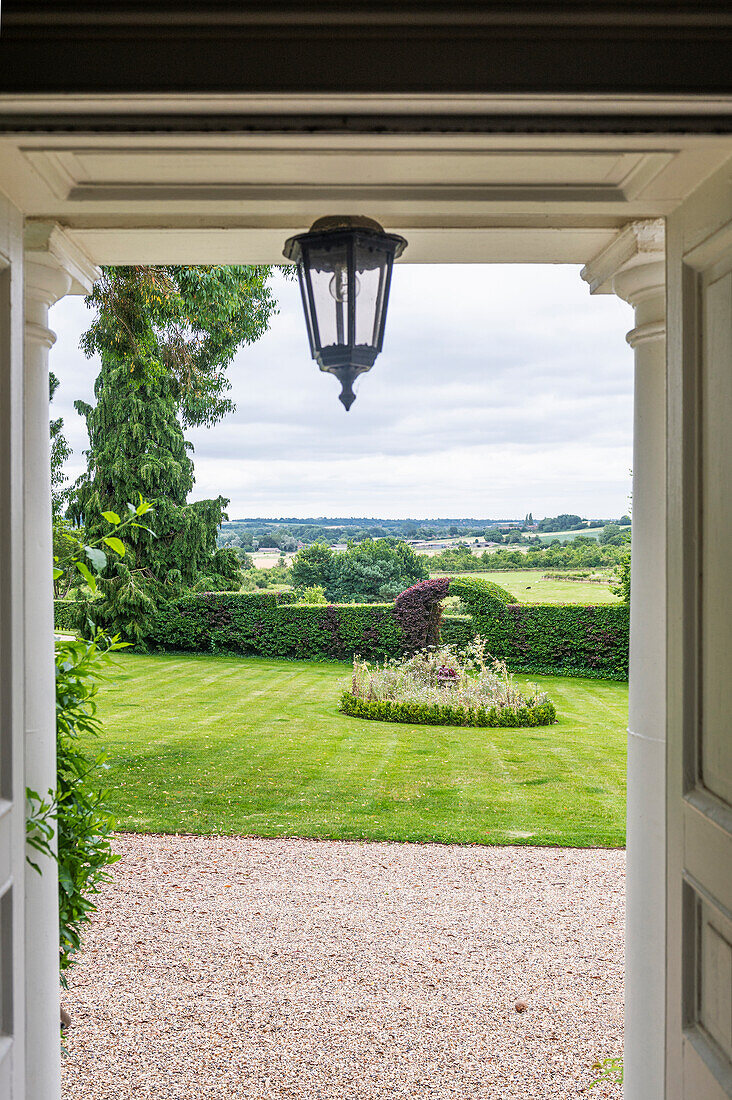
(500, 390)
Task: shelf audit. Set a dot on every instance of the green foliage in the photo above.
(457, 630)
(60, 451)
(565, 522)
(582, 552)
(612, 535)
(261, 624)
(311, 566)
(66, 615)
(371, 570)
(180, 325)
(571, 639)
(165, 336)
(75, 810)
(610, 1070)
(620, 581)
(446, 714)
(478, 595)
(313, 595)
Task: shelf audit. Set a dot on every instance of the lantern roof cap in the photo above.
(343, 223)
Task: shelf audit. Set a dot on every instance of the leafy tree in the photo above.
(620, 581)
(375, 569)
(314, 595)
(312, 566)
(610, 535)
(165, 336)
(565, 522)
(368, 570)
(60, 451)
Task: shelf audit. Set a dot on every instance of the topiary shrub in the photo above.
(418, 611)
(550, 639)
(481, 598)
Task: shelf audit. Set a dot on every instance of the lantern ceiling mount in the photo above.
(344, 267)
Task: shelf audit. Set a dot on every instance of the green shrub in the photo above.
(457, 630)
(75, 811)
(551, 639)
(434, 714)
(572, 640)
(261, 624)
(65, 615)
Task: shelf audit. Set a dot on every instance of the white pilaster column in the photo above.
(53, 268)
(633, 267)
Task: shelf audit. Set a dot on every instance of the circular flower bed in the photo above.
(440, 687)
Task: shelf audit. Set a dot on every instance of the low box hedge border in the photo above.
(436, 714)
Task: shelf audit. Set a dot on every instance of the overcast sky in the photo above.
(501, 390)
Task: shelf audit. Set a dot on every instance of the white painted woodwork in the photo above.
(235, 197)
(699, 946)
(52, 269)
(232, 198)
(634, 267)
(13, 868)
(45, 283)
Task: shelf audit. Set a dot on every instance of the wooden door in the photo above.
(699, 858)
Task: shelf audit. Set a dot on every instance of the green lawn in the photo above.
(203, 744)
(530, 586)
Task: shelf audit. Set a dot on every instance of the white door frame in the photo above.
(624, 259)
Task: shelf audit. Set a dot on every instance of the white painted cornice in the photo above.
(638, 243)
(47, 241)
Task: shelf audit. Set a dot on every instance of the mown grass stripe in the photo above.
(210, 744)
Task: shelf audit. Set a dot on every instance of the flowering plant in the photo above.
(440, 674)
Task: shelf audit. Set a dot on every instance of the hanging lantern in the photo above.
(344, 266)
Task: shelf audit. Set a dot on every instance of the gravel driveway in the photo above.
(242, 969)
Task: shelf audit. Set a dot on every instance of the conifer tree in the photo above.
(165, 336)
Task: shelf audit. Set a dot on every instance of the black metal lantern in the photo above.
(344, 266)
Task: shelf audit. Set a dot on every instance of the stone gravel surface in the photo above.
(226, 967)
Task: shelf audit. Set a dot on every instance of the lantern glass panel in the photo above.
(329, 279)
(370, 271)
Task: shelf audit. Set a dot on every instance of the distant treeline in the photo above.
(287, 534)
(581, 553)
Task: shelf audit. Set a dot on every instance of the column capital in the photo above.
(54, 266)
(46, 243)
(633, 266)
(636, 245)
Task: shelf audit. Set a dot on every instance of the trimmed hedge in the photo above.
(65, 615)
(556, 639)
(547, 639)
(457, 630)
(436, 714)
(568, 639)
(252, 623)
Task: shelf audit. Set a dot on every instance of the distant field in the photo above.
(565, 536)
(529, 586)
(266, 559)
